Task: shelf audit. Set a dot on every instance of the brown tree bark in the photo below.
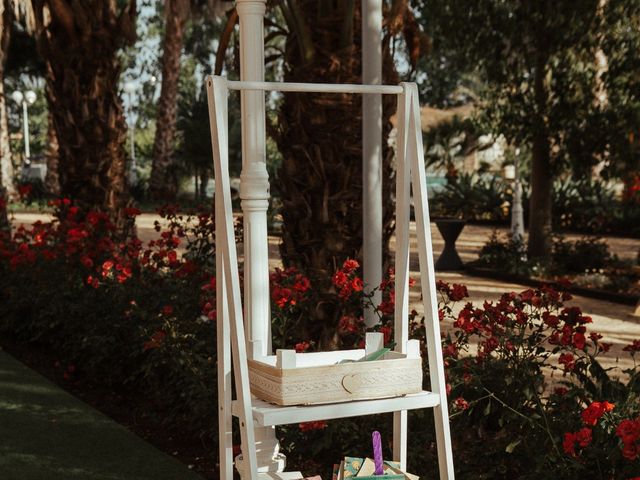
(52, 179)
(541, 201)
(320, 139)
(79, 42)
(7, 187)
(163, 183)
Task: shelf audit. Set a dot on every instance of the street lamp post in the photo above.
(25, 100)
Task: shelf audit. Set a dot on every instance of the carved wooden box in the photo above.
(290, 378)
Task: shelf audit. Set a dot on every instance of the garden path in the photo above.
(46, 433)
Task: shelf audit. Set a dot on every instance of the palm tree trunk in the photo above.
(540, 204)
(7, 188)
(80, 45)
(320, 138)
(163, 183)
(52, 179)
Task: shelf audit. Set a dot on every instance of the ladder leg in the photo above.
(225, 418)
(400, 438)
(225, 245)
(427, 273)
(225, 426)
(401, 313)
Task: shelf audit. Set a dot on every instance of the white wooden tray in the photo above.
(290, 378)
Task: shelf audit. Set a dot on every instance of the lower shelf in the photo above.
(266, 414)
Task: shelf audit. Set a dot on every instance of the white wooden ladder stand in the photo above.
(255, 414)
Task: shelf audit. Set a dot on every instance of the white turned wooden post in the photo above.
(372, 151)
(254, 180)
(254, 193)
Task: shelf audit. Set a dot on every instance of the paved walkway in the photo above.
(47, 434)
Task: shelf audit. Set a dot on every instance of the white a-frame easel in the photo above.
(232, 342)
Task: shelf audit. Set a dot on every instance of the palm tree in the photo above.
(79, 42)
(6, 167)
(163, 183)
(319, 136)
(52, 179)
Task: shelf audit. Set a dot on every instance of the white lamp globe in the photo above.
(17, 96)
(129, 87)
(30, 96)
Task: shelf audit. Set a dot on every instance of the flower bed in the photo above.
(586, 264)
(528, 396)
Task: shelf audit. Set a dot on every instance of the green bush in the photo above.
(141, 319)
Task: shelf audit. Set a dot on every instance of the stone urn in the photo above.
(450, 229)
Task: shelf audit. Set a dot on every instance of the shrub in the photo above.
(528, 396)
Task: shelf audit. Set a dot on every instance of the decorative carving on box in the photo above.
(323, 379)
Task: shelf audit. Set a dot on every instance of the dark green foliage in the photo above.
(473, 197)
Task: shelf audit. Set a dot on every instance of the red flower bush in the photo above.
(527, 392)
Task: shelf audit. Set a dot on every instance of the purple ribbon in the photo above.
(377, 453)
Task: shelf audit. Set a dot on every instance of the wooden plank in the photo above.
(401, 313)
(427, 274)
(314, 87)
(226, 248)
(223, 333)
(266, 414)
(336, 383)
(316, 359)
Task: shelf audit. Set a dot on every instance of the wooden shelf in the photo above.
(267, 414)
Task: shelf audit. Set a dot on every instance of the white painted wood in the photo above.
(403, 186)
(265, 413)
(316, 359)
(400, 432)
(285, 359)
(413, 349)
(225, 432)
(372, 154)
(373, 342)
(314, 87)
(254, 180)
(425, 254)
(401, 314)
(226, 248)
(280, 476)
(254, 194)
(263, 416)
(387, 377)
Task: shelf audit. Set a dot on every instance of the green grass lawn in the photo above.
(47, 434)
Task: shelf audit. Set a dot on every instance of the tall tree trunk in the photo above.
(79, 42)
(163, 183)
(6, 167)
(52, 179)
(320, 138)
(540, 203)
(7, 188)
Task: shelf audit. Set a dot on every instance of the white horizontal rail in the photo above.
(266, 414)
(314, 87)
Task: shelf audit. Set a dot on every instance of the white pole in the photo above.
(25, 127)
(254, 193)
(254, 180)
(517, 212)
(372, 150)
